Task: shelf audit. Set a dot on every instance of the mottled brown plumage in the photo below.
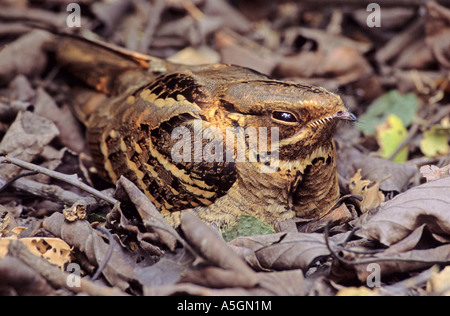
(138, 131)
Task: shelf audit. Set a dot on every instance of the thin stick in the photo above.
(71, 179)
(108, 253)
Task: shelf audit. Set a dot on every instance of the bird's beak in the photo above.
(346, 115)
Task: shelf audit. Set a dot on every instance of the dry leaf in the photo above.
(24, 56)
(369, 190)
(284, 251)
(337, 216)
(217, 278)
(55, 250)
(71, 135)
(120, 268)
(432, 173)
(26, 139)
(22, 280)
(425, 204)
(376, 169)
(213, 248)
(150, 216)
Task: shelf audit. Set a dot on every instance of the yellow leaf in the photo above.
(390, 135)
(435, 141)
(55, 250)
(357, 291)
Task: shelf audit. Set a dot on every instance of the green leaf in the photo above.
(390, 135)
(247, 226)
(435, 141)
(403, 106)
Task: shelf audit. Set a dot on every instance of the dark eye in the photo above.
(284, 116)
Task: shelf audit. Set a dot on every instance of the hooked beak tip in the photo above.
(346, 115)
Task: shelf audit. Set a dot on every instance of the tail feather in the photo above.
(104, 67)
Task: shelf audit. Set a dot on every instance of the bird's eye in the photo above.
(284, 116)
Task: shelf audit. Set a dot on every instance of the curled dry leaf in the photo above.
(149, 215)
(425, 204)
(369, 190)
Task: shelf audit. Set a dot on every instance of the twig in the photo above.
(108, 253)
(365, 260)
(71, 179)
(52, 192)
(55, 276)
(26, 174)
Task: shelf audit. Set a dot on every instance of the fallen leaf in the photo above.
(150, 216)
(333, 56)
(432, 173)
(70, 131)
(120, 269)
(403, 262)
(26, 139)
(168, 270)
(24, 56)
(284, 251)
(390, 135)
(19, 279)
(376, 169)
(238, 50)
(369, 190)
(212, 247)
(55, 250)
(294, 251)
(425, 204)
(337, 216)
(215, 277)
(435, 141)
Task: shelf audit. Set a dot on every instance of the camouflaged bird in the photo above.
(144, 104)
